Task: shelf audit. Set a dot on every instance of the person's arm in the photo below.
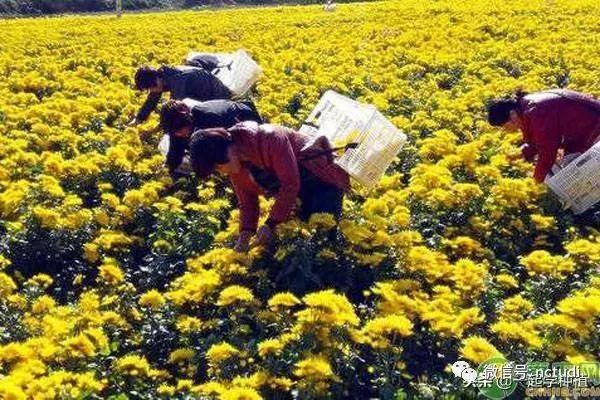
(283, 162)
(148, 106)
(176, 153)
(543, 166)
(248, 203)
(528, 151)
(546, 139)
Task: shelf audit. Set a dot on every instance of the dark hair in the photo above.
(208, 148)
(175, 115)
(499, 109)
(146, 78)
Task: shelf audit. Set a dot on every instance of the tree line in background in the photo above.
(40, 7)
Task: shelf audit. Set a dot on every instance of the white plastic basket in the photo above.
(163, 145)
(343, 120)
(238, 71)
(578, 184)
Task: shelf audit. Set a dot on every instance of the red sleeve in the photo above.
(248, 202)
(546, 138)
(546, 159)
(282, 160)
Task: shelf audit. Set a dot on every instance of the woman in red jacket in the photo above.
(550, 120)
(271, 160)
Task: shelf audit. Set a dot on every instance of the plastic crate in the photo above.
(578, 183)
(238, 71)
(343, 120)
(163, 145)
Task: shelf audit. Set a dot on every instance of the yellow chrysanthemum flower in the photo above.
(477, 349)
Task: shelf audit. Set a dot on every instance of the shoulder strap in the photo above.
(221, 66)
(349, 146)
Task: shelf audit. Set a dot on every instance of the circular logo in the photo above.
(495, 378)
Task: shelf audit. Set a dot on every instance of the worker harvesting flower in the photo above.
(271, 160)
(550, 120)
(181, 82)
(179, 119)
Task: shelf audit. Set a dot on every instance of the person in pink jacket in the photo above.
(550, 121)
(274, 161)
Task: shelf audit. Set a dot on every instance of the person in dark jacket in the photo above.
(271, 160)
(550, 121)
(181, 82)
(180, 118)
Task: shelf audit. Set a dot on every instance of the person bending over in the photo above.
(550, 121)
(274, 161)
(181, 82)
(179, 118)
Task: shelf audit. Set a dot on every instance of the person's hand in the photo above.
(264, 236)
(242, 245)
(528, 152)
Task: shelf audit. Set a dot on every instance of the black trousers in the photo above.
(317, 196)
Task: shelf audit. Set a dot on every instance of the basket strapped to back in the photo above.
(578, 184)
(238, 71)
(344, 121)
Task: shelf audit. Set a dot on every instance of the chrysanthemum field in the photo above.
(117, 283)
